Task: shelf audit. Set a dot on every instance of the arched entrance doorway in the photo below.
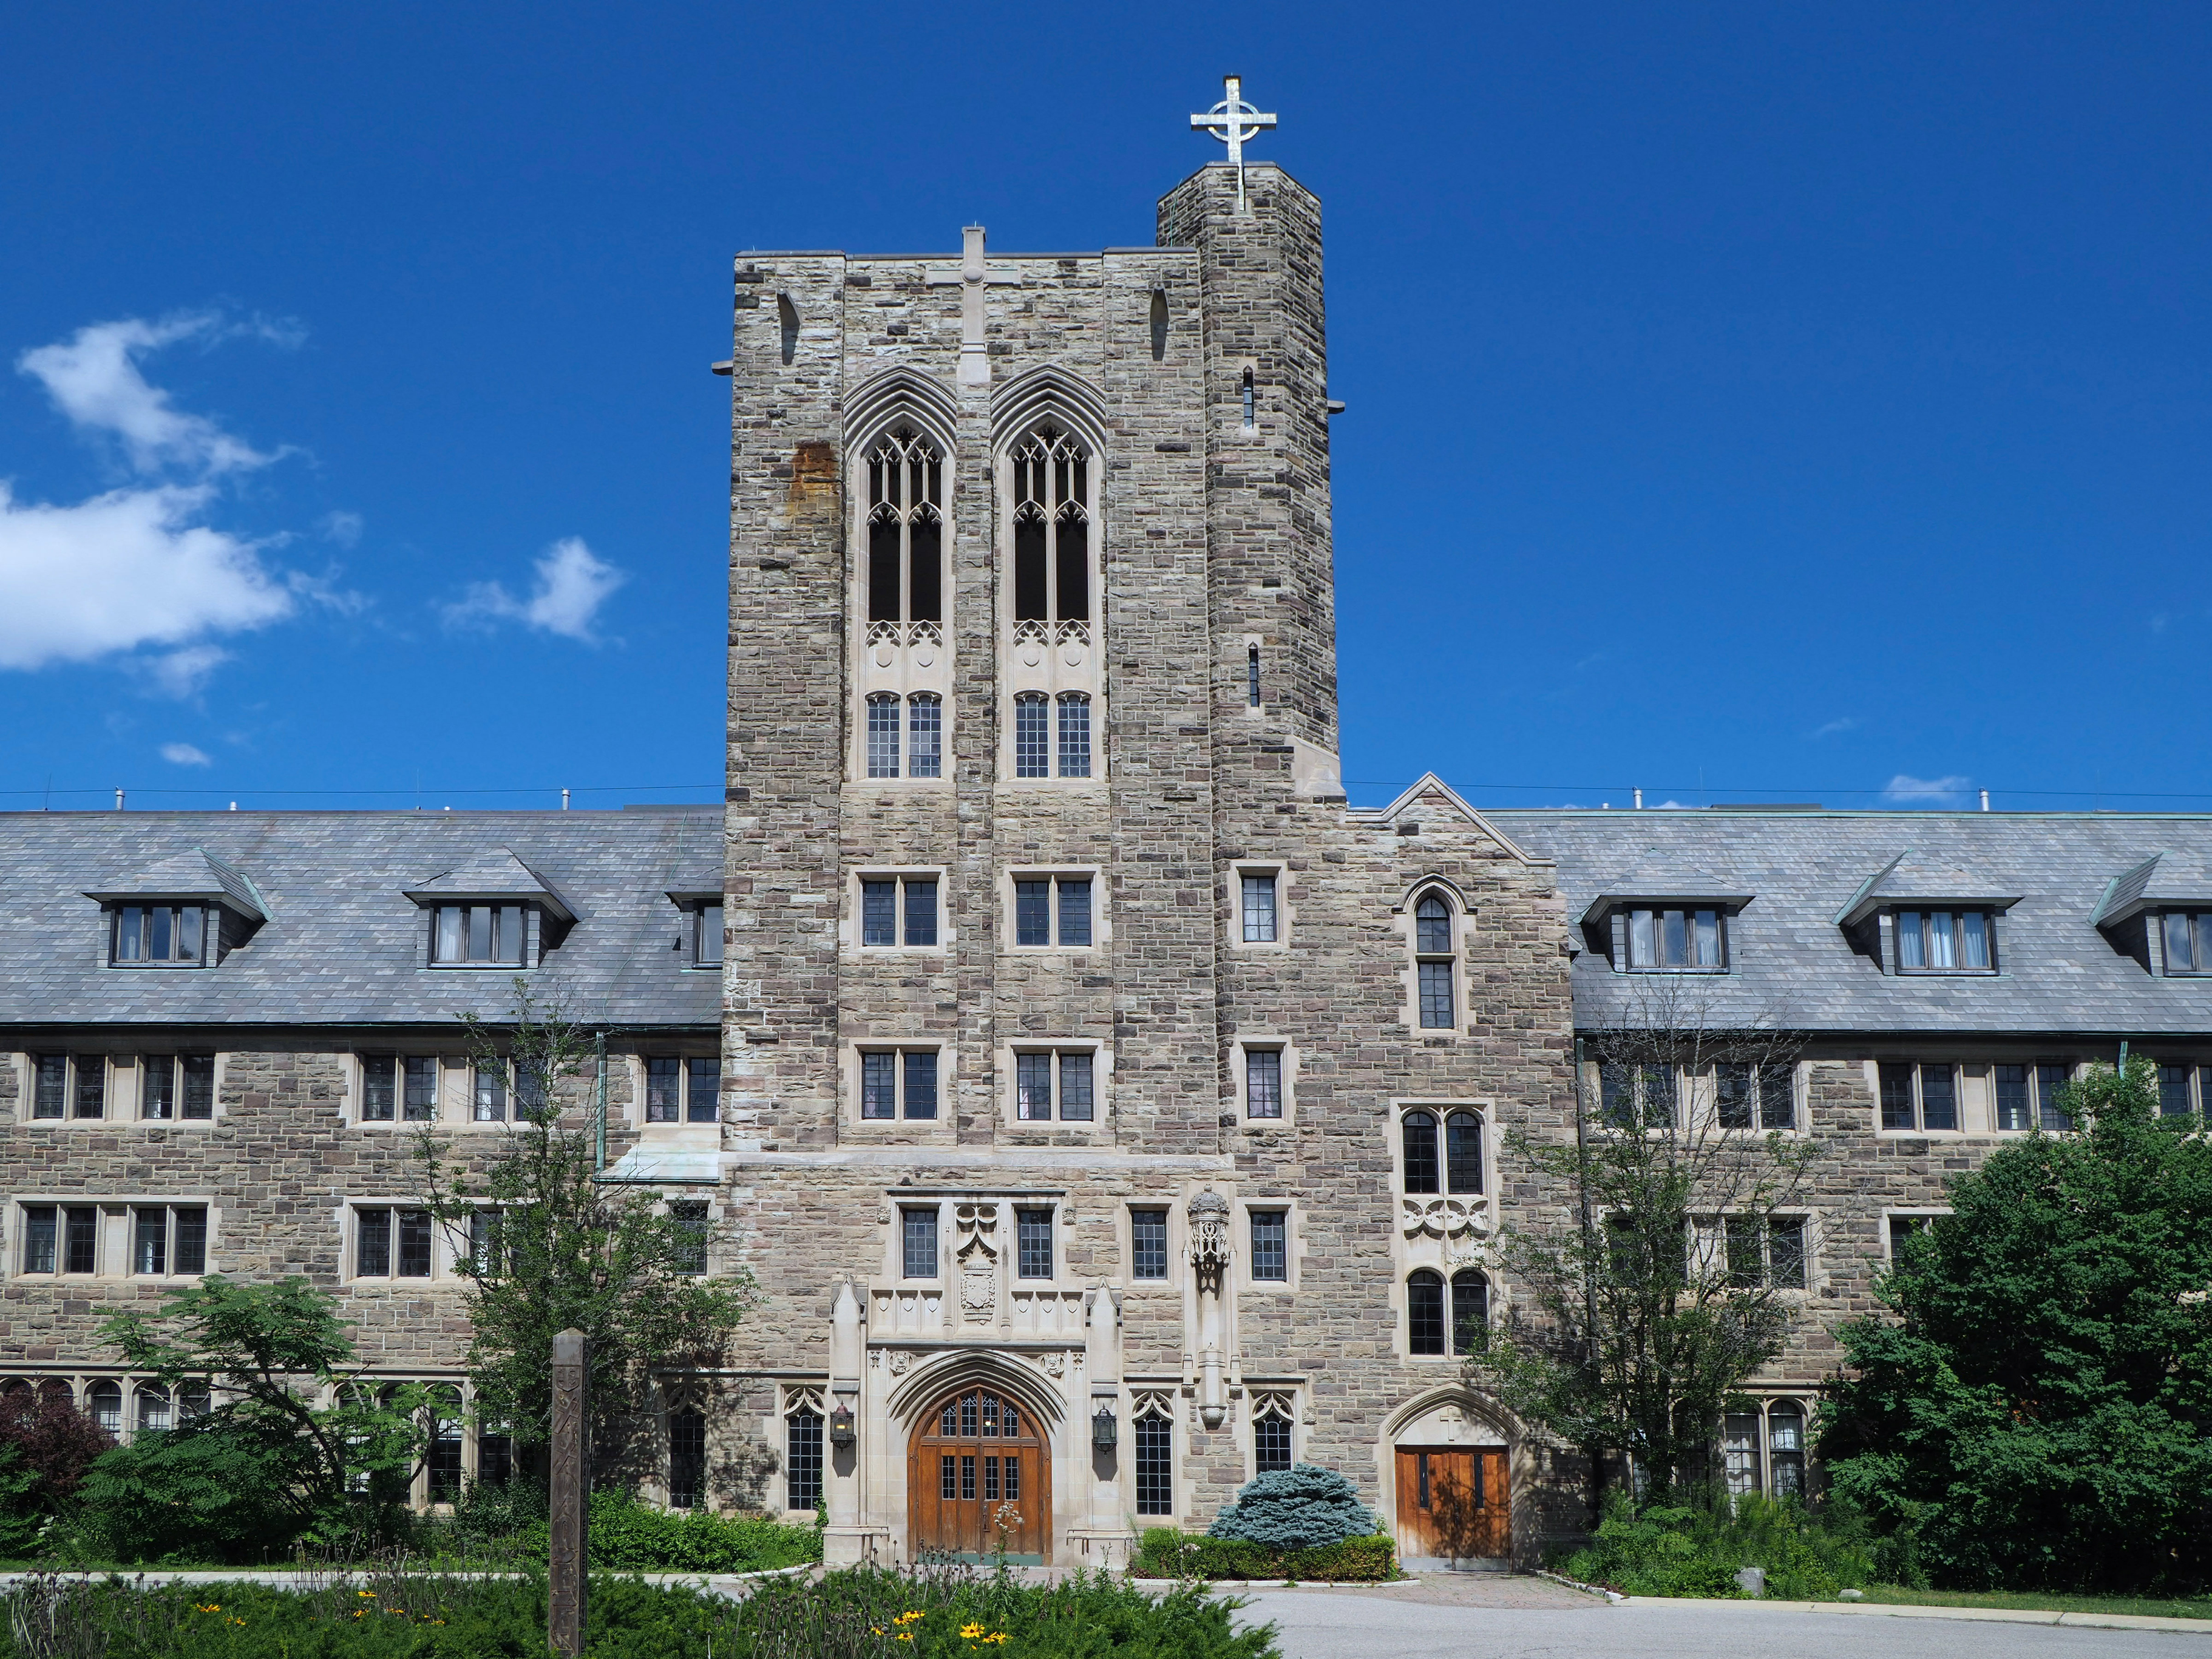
(979, 1479)
(1451, 1470)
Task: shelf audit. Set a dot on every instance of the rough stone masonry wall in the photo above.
(276, 1165)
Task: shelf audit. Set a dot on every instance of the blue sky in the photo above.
(1803, 402)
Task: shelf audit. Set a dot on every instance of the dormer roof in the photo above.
(495, 876)
(2160, 882)
(1657, 876)
(1915, 878)
(191, 878)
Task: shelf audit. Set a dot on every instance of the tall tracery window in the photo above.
(1435, 961)
(906, 530)
(1052, 528)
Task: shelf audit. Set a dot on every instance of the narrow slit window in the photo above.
(1435, 962)
(1252, 676)
(1251, 411)
(786, 318)
(1259, 908)
(1160, 325)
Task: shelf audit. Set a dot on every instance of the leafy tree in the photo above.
(1303, 1507)
(2039, 1412)
(547, 1245)
(268, 1464)
(45, 1445)
(1642, 1313)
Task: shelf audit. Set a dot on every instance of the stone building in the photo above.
(1108, 1110)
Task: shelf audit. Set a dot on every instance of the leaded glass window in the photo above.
(906, 530)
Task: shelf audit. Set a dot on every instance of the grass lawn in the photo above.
(2034, 1601)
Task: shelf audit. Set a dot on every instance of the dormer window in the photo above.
(706, 935)
(492, 912)
(159, 936)
(187, 911)
(1944, 942)
(2188, 941)
(1685, 941)
(478, 935)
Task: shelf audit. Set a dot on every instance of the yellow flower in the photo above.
(370, 1594)
(907, 1618)
(971, 1632)
(906, 1636)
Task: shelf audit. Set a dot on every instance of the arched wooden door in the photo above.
(1454, 1502)
(979, 1480)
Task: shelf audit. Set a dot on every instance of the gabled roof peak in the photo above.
(1431, 794)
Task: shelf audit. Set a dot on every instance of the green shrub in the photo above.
(629, 1536)
(1167, 1553)
(846, 1615)
(1302, 1507)
(1686, 1551)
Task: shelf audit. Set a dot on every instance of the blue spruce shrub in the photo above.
(1300, 1508)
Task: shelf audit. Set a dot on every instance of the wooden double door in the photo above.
(1454, 1501)
(979, 1480)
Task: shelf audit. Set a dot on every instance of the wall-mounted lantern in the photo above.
(840, 1425)
(1105, 1428)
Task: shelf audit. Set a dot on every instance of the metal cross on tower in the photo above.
(1232, 121)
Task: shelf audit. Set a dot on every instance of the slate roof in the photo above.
(190, 875)
(343, 939)
(1790, 961)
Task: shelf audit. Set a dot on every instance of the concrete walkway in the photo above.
(1451, 1623)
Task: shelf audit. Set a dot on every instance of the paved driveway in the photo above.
(1340, 1625)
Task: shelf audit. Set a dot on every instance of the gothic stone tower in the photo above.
(1110, 1113)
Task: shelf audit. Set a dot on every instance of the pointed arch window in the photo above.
(906, 529)
(1052, 528)
(1436, 959)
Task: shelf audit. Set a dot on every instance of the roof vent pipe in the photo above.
(1985, 800)
(118, 800)
(1639, 800)
(564, 800)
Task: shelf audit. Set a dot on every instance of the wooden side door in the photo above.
(979, 1480)
(1454, 1502)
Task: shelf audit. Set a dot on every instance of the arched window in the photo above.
(1153, 1429)
(1272, 1416)
(883, 734)
(687, 1458)
(1424, 1312)
(1418, 1135)
(1470, 1309)
(906, 530)
(1435, 961)
(1463, 1153)
(925, 752)
(1075, 735)
(103, 1403)
(802, 1455)
(442, 1465)
(1786, 1446)
(1032, 735)
(1052, 528)
(154, 1410)
(786, 316)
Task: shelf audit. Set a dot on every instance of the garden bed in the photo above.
(860, 1614)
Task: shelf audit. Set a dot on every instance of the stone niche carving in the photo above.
(975, 1252)
(1209, 1235)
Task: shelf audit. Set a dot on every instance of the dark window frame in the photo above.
(1959, 932)
(1654, 938)
(1069, 1072)
(1067, 903)
(1435, 960)
(1149, 1250)
(463, 935)
(1269, 1231)
(906, 1064)
(139, 920)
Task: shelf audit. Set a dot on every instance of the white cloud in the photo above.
(183, 754)
(573, 582)
(1845, 723)
(342, 527)
(124, 571)
(1904, 787)
(93, 378)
